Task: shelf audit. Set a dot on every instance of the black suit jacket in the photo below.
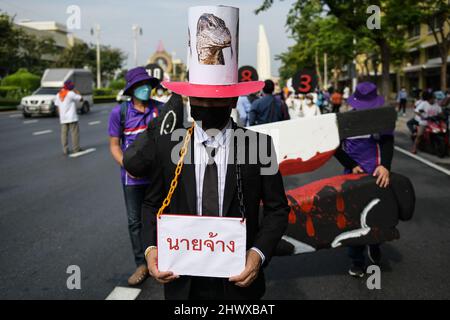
(263, 232)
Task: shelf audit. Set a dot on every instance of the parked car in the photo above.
(41, 102)
(121, 97)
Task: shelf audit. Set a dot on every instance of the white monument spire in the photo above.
(263, 55)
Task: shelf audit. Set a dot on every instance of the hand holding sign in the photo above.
(201, 246)
(152, 264)
(250, 273)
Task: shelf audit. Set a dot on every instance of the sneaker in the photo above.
(356, 270)
(374, 254)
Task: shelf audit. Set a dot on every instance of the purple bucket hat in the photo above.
(137, 75)
(365, 97)
(69, 85)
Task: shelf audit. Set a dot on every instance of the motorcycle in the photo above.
(435, 138)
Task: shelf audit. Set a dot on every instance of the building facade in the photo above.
(174, 69)
(422, 68)
(49, 29)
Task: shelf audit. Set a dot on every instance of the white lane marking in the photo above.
(38, 133)
(93, 123)
(425, 161)
(299, 247)
(30, 121)
(82, 153)
(122, 293)
(17, 115)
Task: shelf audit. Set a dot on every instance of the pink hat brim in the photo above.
(214, 91)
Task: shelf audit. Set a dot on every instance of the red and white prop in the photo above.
(303, 145)
(201, 246)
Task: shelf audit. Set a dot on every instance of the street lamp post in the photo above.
(354, 72)
(96, 31)
(325, 71)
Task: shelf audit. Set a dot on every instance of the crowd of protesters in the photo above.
(286, 104)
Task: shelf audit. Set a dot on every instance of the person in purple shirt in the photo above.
(126, 122)
(371, 154)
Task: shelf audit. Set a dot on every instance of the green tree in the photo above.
(351, 17)
(21, 50)
(315, 34)
(436, 14)
(36, 54)
(112, 60)
(8, 45)
(77, 56)
(23, 79)
(82, 55)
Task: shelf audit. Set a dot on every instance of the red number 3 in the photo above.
(305, 83)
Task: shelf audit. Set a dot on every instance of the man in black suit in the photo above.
(219, 177)
(261, 184)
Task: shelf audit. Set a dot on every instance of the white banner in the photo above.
(201, 246)
(302, 138)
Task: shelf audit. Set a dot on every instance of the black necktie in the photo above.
(210, 196)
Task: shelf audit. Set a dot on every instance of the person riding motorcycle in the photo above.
(424, 110)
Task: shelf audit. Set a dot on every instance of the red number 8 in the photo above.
(246, 75)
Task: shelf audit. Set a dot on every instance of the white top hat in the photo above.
(213, 52)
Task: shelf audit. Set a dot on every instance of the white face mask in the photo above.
(160, 92)
(309, 102)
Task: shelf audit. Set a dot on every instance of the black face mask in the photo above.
(211, 117)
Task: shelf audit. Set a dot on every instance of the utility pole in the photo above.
(318, 69)
(136, 32)
(325, 71)
(354, 73)
(96, 32)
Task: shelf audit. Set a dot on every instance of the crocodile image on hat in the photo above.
(212, 36)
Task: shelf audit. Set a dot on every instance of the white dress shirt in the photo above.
(221, 141)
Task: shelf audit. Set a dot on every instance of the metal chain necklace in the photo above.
(240, 191)
(174, 183)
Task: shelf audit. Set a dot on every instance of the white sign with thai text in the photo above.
(201, 246)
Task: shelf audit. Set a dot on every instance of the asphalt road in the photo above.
(58, 211)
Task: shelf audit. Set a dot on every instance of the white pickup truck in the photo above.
(41, 101)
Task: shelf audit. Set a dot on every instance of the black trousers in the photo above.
(356, 254)
(411, 124)
(402, 105)
(205, 288)
(336, 108)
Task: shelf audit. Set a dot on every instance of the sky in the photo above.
(164, 20)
